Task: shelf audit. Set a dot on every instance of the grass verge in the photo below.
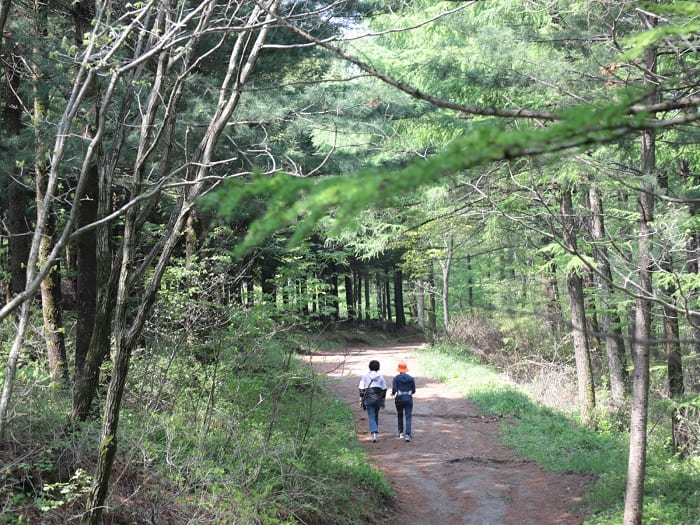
(557, 442)
(232, 430)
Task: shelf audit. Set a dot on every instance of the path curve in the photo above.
(455, 471)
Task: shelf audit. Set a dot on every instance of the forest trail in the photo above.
(455, 471)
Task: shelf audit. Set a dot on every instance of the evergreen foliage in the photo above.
(264, 170)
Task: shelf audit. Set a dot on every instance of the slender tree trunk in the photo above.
(636, 468)
(446, 265)
(674, 361)
(614, 342)
(592, 325)
(304, 296)
(250, 292)
(349, 297)
(19, 194)
(387, 295)
(51, 299)
(267, 279)
(11, 369)
(398, 298)
(470, 284)
(100, 338)
(96, 332)
(335, 289)
(381, 310)
(358, 293)
(420, 304)
(574, 281)
(190, 251)
(551, 292)
(692, 255)
(51, 285)
(367, 298)
(86, 266)
(432, 316)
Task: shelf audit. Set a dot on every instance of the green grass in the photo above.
(557, 442)
(245, 435)
(277, 448)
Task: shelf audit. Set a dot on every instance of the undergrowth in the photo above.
(232, 428)
(556, 441)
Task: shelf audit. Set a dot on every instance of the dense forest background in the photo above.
(196, 192)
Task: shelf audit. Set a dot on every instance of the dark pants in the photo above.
(404, 404)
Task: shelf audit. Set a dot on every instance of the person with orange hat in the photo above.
(403, 387)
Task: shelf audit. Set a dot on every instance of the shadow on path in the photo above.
(455, 471)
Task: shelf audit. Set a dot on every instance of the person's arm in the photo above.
(393, 387)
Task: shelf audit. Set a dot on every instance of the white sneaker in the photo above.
(408, 437)
(374, 437)
(399, 435)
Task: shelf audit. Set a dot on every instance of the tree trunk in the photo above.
(592, 325)
(680, 432)
(691, 259)
(335, 295)
(614, 342)
(358, 293)
(446, 265)
(634, 493)
(268, 267)
(574, 281)
(367, 297)
(398, 298)
(190, 251)
(387, 295)
(250, 292)
(470, 284)
(550, 287)
(51, 304)
(349, 297)
(86, 266)
(98, 331)
(87, 376)
(51, 284)
(19, 195)
(126, 338)
(420, 304)
(432, 316)
(381, 310)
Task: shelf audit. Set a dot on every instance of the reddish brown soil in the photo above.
(455, 471)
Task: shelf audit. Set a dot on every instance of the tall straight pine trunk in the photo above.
(574, 283)
(634, 493)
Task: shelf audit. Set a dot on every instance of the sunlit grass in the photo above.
(556, 441)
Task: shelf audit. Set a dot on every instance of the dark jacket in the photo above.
(403, 386)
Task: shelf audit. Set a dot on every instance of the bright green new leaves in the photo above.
(303, 201)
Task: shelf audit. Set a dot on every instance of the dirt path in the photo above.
(455, 471)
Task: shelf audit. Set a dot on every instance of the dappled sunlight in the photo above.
(456, 464)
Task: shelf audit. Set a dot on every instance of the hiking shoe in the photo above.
(408, 437)
(374, 437)
(399, 435)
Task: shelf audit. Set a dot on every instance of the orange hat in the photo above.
(402, 367)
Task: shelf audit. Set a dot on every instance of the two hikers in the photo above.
(373, 393)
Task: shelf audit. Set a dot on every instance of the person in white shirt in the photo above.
(372, 396)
